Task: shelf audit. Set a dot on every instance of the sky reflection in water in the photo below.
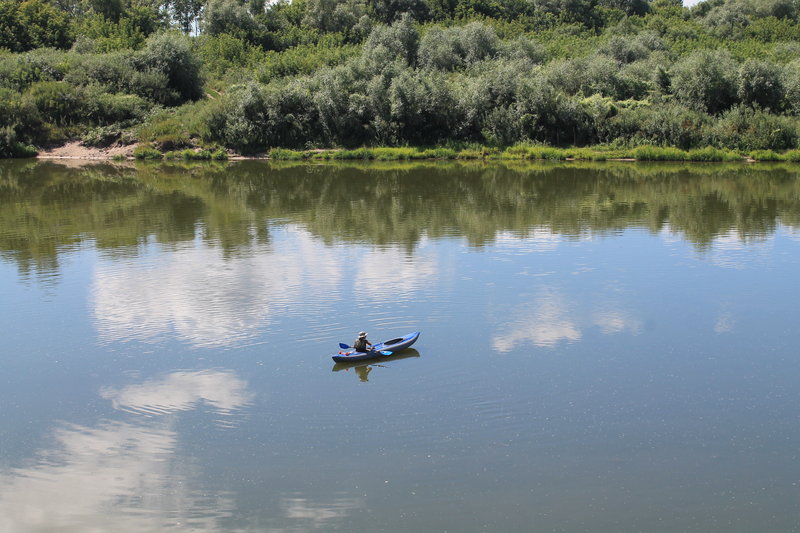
(602, 348)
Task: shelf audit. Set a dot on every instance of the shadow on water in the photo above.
(363, 368)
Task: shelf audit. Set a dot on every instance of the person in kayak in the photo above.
(362, 344)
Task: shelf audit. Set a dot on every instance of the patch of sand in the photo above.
(75, 150)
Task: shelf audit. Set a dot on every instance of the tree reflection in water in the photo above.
(46, 208)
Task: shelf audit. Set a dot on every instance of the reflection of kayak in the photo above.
(392, 346)
(405, 354)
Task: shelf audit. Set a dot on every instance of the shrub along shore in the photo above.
(477, 79)
(533, 152)
(520, 152)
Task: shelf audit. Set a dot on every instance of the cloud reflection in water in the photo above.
(545, 323)
(182, 391)
(317, 515)
(124, 476)
(395, 268)
(203, 297)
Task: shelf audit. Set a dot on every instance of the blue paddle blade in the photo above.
(343, 346)
(386, 352)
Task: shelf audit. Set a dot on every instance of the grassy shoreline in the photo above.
(519, 152)
(524, 152)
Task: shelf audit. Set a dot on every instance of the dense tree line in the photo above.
(251, 75)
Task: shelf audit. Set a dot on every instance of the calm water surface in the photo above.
(604, 348)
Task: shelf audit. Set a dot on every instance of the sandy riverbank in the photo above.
(75, 150)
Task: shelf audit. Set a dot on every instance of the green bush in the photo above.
(457, 47)
(128, 29)
(303, 59)
(168, 57)
(33, 24)
(57, 102)
(473, 153)
(196, 155)
(709, 153)
(748, 129)
(253, 117)
(19, 113)
(114, 71)
(535, 152)
(101, 136)
(282, 154)
(706, 80)
(663, 125)
(358, 153)
(765, 155)
(146, 152)
(104, 108)
(792, 155)
(760, 83)
(10, 146)
(658, 153)
(295, 75)
(387, 43)
(439, 153)
(219, 155)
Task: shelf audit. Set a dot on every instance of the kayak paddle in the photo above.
(343, 346)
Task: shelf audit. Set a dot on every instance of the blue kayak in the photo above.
(382, 349)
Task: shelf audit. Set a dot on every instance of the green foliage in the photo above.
(624, 50)
(792, 155)
(253, 117)
(389, 11)
(439, 153)
(190, 154)
(760, 84)
(336, 15)
(100, 107)
(706, 80)
(658, 153)
(387, 43)
(33, 24)
(765, 155)
(371, 154)
(303, 59)
(219, 155)
(146, 152)
(114, 71)
(19, 71)
(174, 128)
(282, 154)
(100, 33)
(537, 152)
(56, 102)
(663, 124)
(169, 57)
(749, 129)
(220, 54)
(348, 73)
(102, 136)
(457, 47)
(712, 154)
(11, 146)
(228, 17)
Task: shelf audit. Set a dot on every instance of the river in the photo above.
(604, 347)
